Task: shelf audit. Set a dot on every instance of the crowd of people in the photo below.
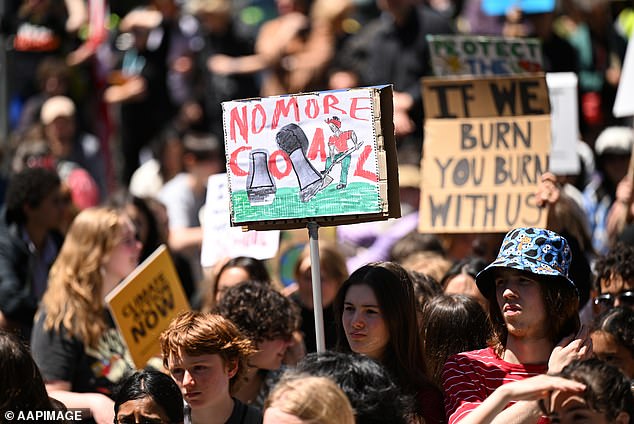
(116, 126)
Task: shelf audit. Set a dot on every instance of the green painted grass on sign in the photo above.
(356, 198)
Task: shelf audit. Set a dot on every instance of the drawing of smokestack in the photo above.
(260, 186)
(293, 141)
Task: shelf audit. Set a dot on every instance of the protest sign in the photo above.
(325, 157)
(502, 7)
(145, 303)
(484, 55)
(562, 90)
(487, 141)
(220, 239)
(623, 104)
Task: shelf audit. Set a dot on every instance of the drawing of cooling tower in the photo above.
(293, 141)
(260, 186)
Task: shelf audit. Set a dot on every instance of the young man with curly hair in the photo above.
(268, 319)
(615, 279)
(207, 355)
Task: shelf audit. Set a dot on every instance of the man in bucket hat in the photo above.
(533, 307)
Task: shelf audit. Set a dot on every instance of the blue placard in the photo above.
(501, 7)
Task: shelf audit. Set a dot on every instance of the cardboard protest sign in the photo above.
(487, 141)
(220, 239)
(327, 157)
(501, 7)
(623, 104)
(484, 55)
(145, 303)
(562, 90)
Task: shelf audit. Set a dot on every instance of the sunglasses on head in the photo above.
(607, 300)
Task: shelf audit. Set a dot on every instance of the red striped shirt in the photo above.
(470, 377)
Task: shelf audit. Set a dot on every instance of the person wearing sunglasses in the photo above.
(615, 279)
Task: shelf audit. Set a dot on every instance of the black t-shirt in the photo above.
(89, 369)
(241, 414)
(308, 325)
(244, 414)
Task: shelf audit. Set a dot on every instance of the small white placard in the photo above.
(220, 239)
(562, 91)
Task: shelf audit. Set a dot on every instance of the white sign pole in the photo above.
(315, 270)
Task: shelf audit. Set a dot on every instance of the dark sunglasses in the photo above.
(607, 300)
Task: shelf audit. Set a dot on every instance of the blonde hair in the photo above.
(199, 333)
(314, 400)
(73, 298)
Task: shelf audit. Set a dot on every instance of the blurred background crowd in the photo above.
(112, 125)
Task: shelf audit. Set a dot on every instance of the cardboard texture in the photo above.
(487, 141)
(327, 157)
(484, 55)
(144, 304)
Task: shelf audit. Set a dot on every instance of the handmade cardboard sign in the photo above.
(145, 303)
(220, 239)
(487, 141)
(562, 90)
(327, 157)
(484, 55)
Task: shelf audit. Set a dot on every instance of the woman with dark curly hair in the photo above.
(268, 319)
(606, 399)
(613, 339)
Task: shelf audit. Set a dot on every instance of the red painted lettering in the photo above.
(274, 168)
(233, 162)
(354, 108)
(241, 122)
(317, 147)
(283, 108)
(359, 171)
(258, 109)
(312, 104)
(329, 102)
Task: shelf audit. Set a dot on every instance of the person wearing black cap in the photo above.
(533, 307)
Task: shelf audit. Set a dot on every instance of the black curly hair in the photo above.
(373, 393)
(29, 187)
(259, 311)
(619, 323)
(619, 261)
(608, 391)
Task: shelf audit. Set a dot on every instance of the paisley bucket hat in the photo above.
(534, 250)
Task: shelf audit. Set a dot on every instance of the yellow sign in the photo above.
(487, 141)
(145, 303)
